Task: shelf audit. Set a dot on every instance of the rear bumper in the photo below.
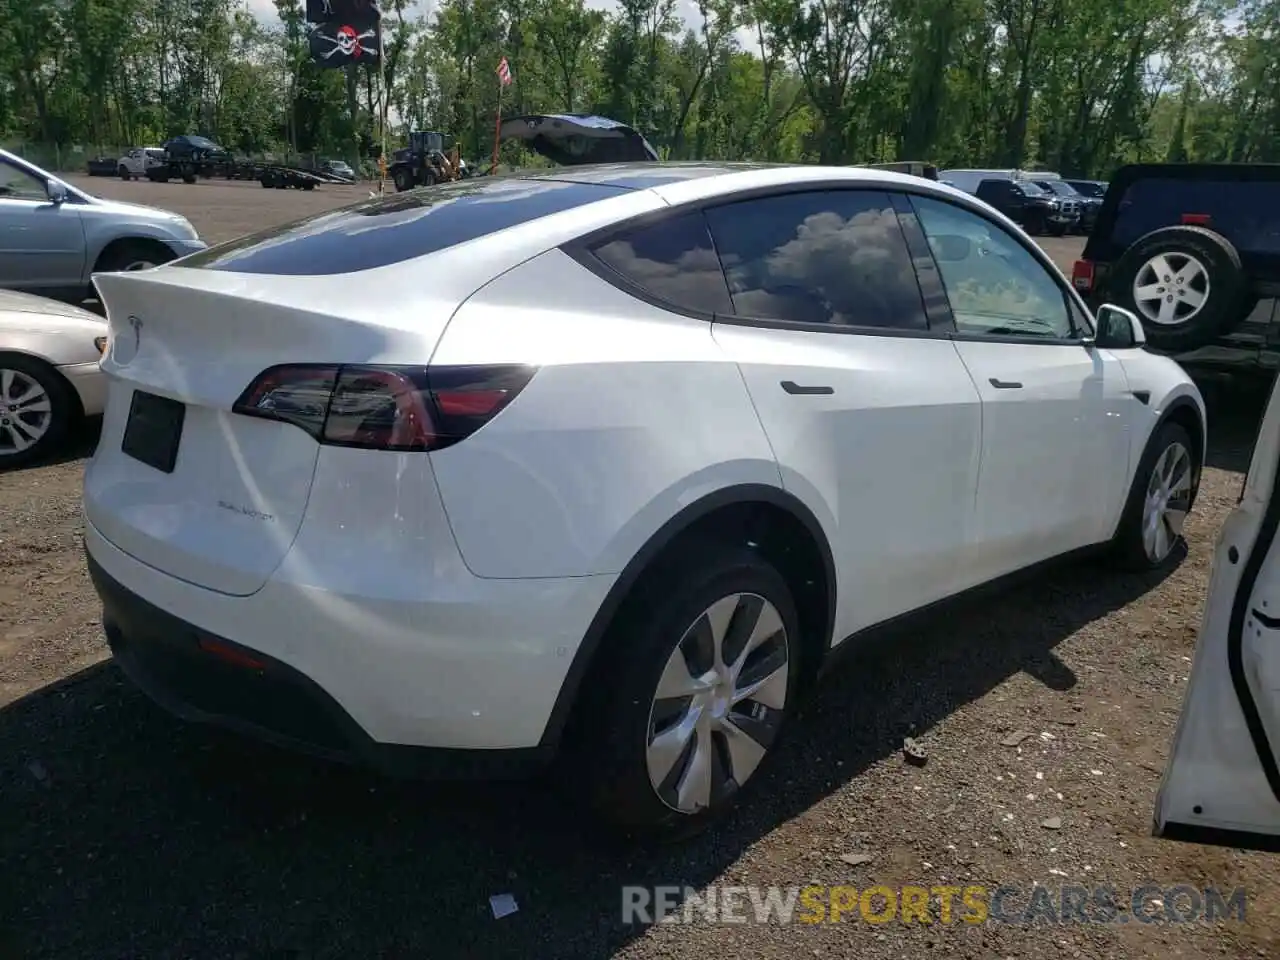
(259, 696)
(402, 687)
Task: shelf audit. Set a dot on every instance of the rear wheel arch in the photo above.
(773, 521)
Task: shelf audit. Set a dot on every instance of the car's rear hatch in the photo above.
(573, 140)
(214, 497)
(228, 508)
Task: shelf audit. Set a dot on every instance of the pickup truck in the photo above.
(135, 163)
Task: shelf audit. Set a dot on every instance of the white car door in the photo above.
(1055, 410)
(1222, 783)
(872, 417)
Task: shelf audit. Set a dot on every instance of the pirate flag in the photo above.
(345, 32)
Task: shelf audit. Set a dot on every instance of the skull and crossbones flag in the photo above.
(338, 44)
(344, 32)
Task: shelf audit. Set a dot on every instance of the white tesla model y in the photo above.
(606, 459)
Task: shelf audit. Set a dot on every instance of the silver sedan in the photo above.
(54, 237)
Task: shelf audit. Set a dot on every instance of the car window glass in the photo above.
(672, 259)
(995, 285)
(832, 257)
(17, 184)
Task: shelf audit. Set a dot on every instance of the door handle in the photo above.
(1005, 384)
(797, 390)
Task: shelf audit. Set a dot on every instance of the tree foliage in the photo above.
(1074, 85)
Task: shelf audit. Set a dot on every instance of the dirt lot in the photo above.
(124, 834)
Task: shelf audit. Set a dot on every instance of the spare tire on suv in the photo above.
(1185, 283)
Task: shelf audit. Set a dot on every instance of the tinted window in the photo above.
(672, 259)
(995, 188)
(995, 285)
(1032, 189)
(17, 184)
(397, 228)
(834, 257)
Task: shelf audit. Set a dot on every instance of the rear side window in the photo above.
(834, 257)
(397, 228)
(672, 260)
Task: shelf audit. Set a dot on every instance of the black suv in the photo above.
(1094, 189)
(1032, 207)
(1194, 251)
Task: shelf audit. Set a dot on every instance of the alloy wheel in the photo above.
(26, 412)
(1171, 288)
(719, 703)
(1167, 501)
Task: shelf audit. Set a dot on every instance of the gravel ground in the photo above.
(126, 834)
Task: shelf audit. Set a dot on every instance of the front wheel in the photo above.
(691, 694)
(1164, 488)
(124, 172)
(35, 410)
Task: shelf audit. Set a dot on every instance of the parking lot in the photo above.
(1046, 712)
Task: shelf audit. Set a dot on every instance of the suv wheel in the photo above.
(695, 684)
(1185, 283)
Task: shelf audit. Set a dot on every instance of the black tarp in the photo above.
(331, 11)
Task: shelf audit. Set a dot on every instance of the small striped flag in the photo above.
(504, 72)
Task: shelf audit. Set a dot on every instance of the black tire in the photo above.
(130, 254)
(1057, 229)
(1034, 223)
(188, 176)
(124, 172)
(1128, 547)
(403, 179)
(1228, 286)
(609, 738)
(62, 411)
(308, 186)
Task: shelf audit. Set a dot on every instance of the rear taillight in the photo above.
(1196, 219)
(1082, 276)
(384, 408)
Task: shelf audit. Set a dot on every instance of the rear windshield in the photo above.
(397, 228)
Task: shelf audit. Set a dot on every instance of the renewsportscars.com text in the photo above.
(1028, 904)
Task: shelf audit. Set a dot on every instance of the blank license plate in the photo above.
(153, 430)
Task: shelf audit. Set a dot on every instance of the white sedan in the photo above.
(49, 376)
(608, 461)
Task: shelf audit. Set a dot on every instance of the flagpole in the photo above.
(382, 87)
(497, 129)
